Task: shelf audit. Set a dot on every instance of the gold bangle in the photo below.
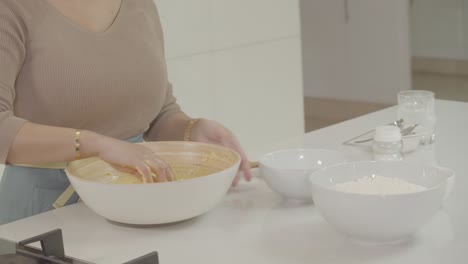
(77, 145)
(188, 129)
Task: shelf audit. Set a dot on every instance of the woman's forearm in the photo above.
(172, 128)
(38, 144)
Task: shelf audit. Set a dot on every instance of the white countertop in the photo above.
(254, 225)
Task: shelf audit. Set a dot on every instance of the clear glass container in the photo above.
(387, 150)
(388, 144)
(418, 107)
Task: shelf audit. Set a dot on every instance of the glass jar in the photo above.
(418, 107)
(387, 143)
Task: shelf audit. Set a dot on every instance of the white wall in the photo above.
(439, 28)
(238, 62)
(356, 50)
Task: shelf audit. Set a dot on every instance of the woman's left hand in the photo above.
(208, 131)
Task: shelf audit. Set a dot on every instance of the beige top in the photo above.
(54, 72)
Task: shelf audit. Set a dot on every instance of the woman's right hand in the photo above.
(135, 159)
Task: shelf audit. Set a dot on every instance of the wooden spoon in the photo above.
(254, 164)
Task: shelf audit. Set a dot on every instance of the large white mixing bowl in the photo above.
(159, 203)
(379, 218)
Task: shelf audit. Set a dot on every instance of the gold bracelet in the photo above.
(188, 129)
(77, 145)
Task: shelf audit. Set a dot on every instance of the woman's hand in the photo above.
(135, 159)
(208, 131)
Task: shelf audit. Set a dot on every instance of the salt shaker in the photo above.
(388, 143)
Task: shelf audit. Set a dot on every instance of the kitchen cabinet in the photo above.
(439, 28)
(356, 50)
(238, 62)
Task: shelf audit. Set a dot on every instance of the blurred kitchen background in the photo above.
(238, 62)
(371, 47)
(439, 44)
(272, 69)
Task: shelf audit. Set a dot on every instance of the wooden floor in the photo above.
(320, 113)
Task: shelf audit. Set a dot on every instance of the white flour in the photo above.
(378, 185)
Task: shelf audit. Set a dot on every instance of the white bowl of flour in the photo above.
(379, 201)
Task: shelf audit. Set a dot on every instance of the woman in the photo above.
(82, 78)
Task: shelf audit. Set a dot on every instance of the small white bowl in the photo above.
(412, 142)
(379, 219)
(286, 171)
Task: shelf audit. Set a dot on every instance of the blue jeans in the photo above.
(28, 191)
